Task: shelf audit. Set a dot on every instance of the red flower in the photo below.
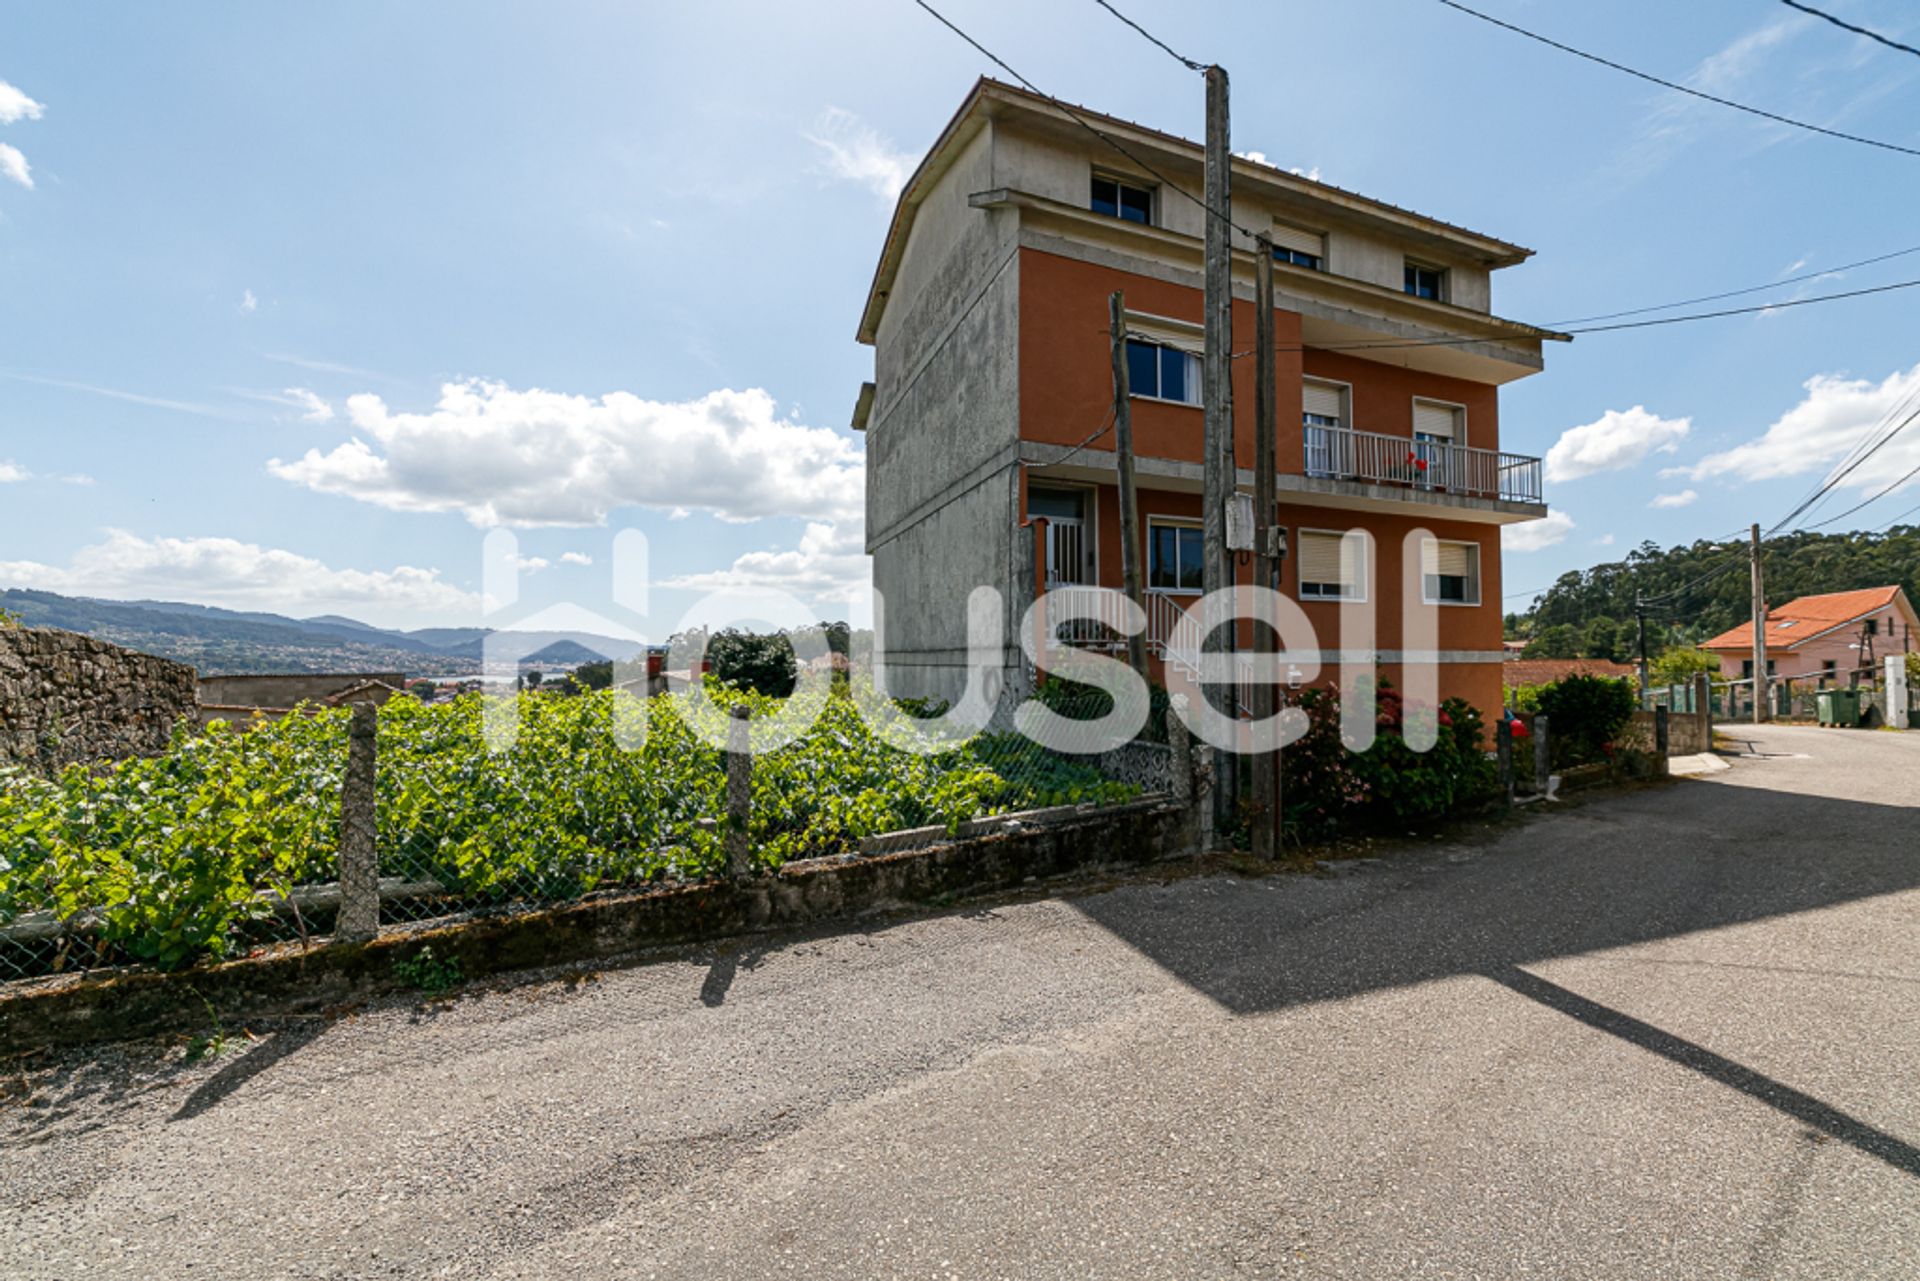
(1446, 720)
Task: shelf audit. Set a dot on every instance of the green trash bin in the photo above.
(1840, 707)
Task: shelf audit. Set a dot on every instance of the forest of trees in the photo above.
(1590, 612)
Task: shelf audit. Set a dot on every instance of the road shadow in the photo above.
(240, 1071)
(1625, 870)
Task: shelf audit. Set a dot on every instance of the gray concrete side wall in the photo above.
(942, 439)
(67, 698)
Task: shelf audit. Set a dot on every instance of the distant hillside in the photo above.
(232, 642)
(1802, 564)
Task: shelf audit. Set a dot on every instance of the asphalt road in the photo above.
(1673, 1033)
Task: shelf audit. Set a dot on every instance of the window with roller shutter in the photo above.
(1450, 572)
(1301, 248)
(1331, 567)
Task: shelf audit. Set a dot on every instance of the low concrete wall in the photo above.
(296, 982)
(1688, 733)
(67, 698)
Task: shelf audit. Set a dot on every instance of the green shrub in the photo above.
(1326, 787)
(1585, 714)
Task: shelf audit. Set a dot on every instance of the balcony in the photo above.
(1436, 466)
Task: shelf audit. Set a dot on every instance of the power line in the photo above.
(1870, 442)
(1844, 472)
(1680, 88)
(1082, 121)
(1182, 59)
(1877, 497)
(1737, 293)
(1858, 31)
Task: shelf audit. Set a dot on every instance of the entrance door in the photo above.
(1069, 543)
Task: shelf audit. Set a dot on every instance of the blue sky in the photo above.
(296, 302)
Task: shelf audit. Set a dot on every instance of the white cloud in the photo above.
(248, 303)
(531, 564)
(15, 105)
(1615, 440)
(575, 558)
(14, 165)
(1834, 416)
(315, 409)
(505, 457)
(1605, 540)
(1532, 535)
(1684, 498)
(831, 560)
(11, 472)
(855, 152)
(226, 572)
(77, 478)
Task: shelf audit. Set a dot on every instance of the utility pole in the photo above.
(1266, 770)
(1640, 621)
(1129, 497)
(1218, 475)
(1760, 688)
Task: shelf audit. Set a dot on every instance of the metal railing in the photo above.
(1341, 453)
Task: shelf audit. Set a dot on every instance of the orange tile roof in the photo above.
(1540, 671)
(1807, 617)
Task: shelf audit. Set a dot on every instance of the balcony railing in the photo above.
(1339, 453)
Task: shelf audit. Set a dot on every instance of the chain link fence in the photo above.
(232, 840)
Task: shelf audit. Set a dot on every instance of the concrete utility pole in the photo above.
(1266, 432)
(1640, 622)
(1760, 686)
(1129, 496)
(1216, 381)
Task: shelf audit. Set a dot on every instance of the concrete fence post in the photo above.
(1703, 708)
(739, 841)
(359, 918)
(1180, 747)
(1899, 701)
(1660, 738)
(1503, 750)
(1542, 759)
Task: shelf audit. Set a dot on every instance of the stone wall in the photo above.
(65, 697)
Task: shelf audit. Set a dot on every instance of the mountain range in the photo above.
(229, 642)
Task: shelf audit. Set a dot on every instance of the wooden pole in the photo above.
(1130, 548)
(1216, 383)
(1759, 633)
(1266, 771)
(359, 918)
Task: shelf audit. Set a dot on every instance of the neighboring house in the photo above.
(240, 698)
(1832, 636)
(988, 316)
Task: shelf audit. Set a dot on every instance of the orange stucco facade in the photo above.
(1065, 392)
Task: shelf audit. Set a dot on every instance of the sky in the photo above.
(298, 303)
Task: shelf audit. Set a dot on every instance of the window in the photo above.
(1828, 668)
(1331, 567)
(1873, 627)
(1426, 282)
(1119, 199)
(1173, 556)
(1323, 404)
(1746, 669)
(1162, 372)
(1301, 248)
(1450, 572)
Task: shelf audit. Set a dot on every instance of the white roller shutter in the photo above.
(1300, 242)
(1326, 399)
(1449, 560)
(1319, 557)
(1430, 419)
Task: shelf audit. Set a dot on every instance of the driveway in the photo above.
(1671, 1033)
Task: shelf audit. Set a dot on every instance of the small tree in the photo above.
(1680, 666)
(763, 663)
